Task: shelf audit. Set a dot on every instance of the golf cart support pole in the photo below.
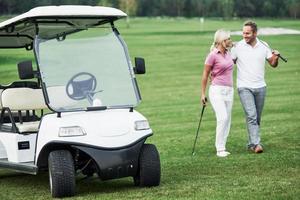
(197, 133)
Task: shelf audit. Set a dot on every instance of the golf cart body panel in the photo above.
(116, 163)
(107, 129)
(87, 81)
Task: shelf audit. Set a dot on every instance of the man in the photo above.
(250, 55)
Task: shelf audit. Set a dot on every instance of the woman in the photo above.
(219, 65)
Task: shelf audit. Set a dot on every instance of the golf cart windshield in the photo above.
(84, 68)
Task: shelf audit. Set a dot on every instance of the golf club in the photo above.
(197, 133)
(282, 58)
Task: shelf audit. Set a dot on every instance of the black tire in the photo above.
(149, 167)
(61, 173)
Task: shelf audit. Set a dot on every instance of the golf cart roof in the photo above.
(20, 31)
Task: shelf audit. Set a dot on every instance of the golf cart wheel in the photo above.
(149, 167)
(61, 173)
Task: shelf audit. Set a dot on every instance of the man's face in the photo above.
(248, 34)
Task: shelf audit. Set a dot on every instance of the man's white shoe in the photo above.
(222, 153)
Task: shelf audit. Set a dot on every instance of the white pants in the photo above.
(221, 99)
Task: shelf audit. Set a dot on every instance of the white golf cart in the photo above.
(84, 76)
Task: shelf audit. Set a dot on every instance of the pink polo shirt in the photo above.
(222, 68)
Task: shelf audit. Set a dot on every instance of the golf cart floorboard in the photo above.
(24, 167)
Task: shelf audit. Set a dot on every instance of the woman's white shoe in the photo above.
(222, 153)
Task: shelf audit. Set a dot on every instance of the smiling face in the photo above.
(222, 39)
(249, 35)
(227, 43)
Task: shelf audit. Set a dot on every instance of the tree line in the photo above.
(184, 8)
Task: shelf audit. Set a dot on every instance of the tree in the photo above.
(179, 5)
(187, 8)
(294, 8)
(212, 8)
(198, 7)
(129, 6)
(226, 8)
(7, 6)
(244, 8)
(149, 8)
(108, 3)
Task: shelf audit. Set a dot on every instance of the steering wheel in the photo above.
(79, 87)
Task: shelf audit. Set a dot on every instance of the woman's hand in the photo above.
(203, 100)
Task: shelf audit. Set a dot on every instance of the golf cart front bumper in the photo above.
(115, 163)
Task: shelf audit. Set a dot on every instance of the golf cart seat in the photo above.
(17, 84)
(22, 99)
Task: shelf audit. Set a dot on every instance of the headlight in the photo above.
(71, 131)
(141, 125)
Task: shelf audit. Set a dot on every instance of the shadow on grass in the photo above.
(94, 185)
(20, 178)
(39, 184)
(10, 175)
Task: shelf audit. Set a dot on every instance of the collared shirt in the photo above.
(251, 63)
(222, 67)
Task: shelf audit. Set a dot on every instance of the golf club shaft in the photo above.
(197, 133)
(282, 58)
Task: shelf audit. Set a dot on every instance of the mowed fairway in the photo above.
(174, 50)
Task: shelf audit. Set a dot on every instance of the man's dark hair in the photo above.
(252, 24)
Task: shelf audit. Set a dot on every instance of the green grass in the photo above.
(175, 50)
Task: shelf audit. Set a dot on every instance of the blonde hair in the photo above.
(220, 36)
